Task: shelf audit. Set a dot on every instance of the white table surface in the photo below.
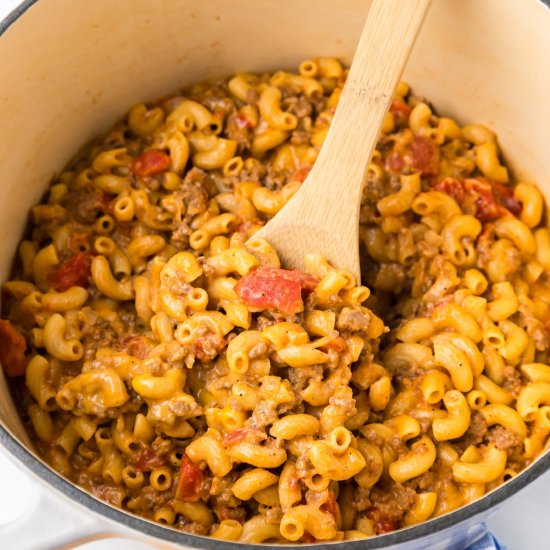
(522, 523)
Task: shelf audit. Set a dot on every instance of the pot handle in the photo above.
(33, 517)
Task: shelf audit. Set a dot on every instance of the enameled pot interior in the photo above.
(70, 69)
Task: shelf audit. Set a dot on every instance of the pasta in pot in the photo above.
(174, 368)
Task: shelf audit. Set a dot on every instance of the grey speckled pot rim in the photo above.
(463, 514)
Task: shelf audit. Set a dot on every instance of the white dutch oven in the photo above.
(68, 69)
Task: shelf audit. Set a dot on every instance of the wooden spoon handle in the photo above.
(386, 41)
(323, 216)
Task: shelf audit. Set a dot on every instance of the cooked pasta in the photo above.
(174, 368)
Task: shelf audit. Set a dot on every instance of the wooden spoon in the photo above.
(323, 216)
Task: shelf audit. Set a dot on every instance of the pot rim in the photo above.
(169, 534)
(85, 499)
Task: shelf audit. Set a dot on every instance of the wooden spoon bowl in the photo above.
(323, 216)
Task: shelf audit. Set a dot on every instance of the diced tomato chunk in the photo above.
(271, 287)
(148, 460)
(236, 436)
(452, 187)
(149, 163)
(76, 271)
(486, 207)
(12, 350)
(308, 538)
(330, 505)
(227, 512)
(190, 481)
(251, 435)
(506, 197)
(425, 156)
(385, 526)
(382, 523)
(476, 195)
(302, 173)
(242, 121)
(421, 154)
(400, 111)
(485, 199)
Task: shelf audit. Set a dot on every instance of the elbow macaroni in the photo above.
(162, 374)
